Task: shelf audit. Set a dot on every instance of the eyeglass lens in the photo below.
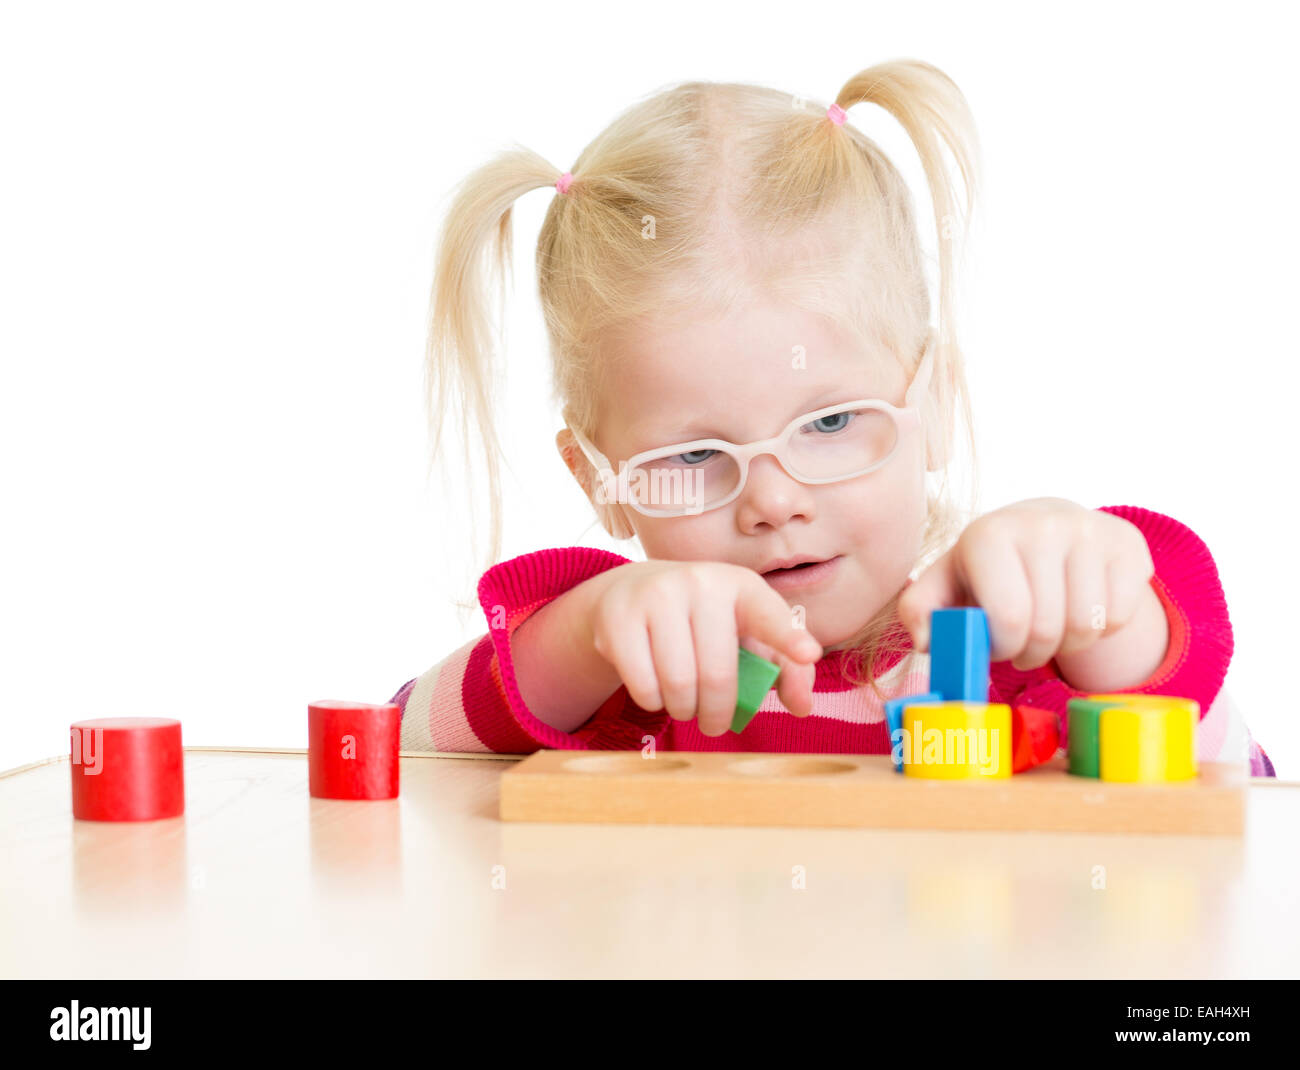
(835, 446)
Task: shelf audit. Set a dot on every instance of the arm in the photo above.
(560, 676)
(474, 699)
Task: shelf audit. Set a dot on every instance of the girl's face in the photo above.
(738, 378)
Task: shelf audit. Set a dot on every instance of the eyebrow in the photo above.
(701, 428)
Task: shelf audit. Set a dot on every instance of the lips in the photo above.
(791, 563)
(812, 576)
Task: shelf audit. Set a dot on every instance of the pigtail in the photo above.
(473, 259)
(930, 107)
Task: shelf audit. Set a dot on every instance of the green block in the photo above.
(755, 679)
(1084, 747)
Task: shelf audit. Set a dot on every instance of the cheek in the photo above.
(685, 538)
(883, 511)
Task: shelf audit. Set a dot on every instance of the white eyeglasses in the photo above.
(707, 473)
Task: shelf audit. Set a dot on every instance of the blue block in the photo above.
(894, 720)
(959, 654)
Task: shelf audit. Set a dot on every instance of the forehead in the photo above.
(741, 377)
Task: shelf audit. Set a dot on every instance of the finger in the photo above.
(1086, 594)
(938, 587)
(1044, 565)
(628, 650)
(713, 626)
(794, 685)
(994, 572)
(762, 614)
(673, 648)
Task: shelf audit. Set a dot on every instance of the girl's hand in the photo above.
(1053, 577)
(672, 630)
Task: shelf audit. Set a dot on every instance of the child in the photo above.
(728, 268)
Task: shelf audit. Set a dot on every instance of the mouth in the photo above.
(802, 574)
(793, 564)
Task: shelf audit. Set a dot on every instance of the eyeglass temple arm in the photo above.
(598, 460)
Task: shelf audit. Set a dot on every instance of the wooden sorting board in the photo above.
(856, 791)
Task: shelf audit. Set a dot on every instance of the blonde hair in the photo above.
(743, 188)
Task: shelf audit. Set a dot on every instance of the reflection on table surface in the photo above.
(258, 879)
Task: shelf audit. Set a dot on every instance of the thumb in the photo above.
(939, 586)
(794, 687)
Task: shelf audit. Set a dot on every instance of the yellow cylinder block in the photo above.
(1148, 742)
(1153, 700)
(957, 740)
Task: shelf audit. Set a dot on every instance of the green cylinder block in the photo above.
(1084, 747)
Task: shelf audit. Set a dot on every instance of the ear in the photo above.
(571, 455)
(613, 517)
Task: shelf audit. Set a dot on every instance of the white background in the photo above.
(217, 245)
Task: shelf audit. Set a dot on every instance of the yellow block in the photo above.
(1148, 742)
(957, 740)
(1153, 700)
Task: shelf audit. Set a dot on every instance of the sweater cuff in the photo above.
(509, 593)
(1187, 583)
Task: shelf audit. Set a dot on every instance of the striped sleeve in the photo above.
(470, 701)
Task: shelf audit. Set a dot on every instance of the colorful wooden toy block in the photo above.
(1133, 738)
(1083, 735)
(959, 676)
(127, 769)
(352, 750)
(1148, 743)
(1152, 700)
(755, 677)
(894, 722)
(1035, 737)
(957, 740)
(959, 654)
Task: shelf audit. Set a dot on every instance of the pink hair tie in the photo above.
(837, 114)
(566, 180)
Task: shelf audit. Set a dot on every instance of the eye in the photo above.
(695, 457)
(837, 421)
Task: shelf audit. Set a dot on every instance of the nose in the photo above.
(772, 496)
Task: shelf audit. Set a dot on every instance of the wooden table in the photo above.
(257, 879)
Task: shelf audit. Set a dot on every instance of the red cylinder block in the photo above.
(352, 749)
(127, 769)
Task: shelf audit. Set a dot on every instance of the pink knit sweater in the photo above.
(469, 701)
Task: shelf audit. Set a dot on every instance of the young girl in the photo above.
(734, 290)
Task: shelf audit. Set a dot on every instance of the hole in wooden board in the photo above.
(791, 766)
(624, 763)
